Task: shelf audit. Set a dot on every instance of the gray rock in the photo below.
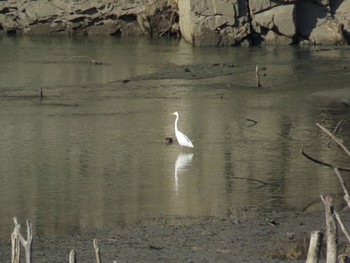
(258, 6)
(40, 11)
(200, 22)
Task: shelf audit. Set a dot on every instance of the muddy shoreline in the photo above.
(267, 237)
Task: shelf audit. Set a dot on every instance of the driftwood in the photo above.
(313, 254)
(331, 230)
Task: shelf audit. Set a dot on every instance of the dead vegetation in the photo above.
(333, 219)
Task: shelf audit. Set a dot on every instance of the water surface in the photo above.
(91, 153)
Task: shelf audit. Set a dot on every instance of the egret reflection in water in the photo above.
(183, 161)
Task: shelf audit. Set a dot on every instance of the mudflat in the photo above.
(256, 237)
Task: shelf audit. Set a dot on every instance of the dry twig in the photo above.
(335, 139)
(342, 226)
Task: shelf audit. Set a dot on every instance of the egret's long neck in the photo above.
(177, 118)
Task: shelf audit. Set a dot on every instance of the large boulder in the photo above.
(315, 23)
(40, 11)
(341, 11)
(122, 17)
(201, 20)
(279, 19)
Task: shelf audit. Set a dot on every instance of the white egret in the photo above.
(182, 139)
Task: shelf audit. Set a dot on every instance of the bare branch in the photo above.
(335, 139)
(322, 162)
(342, 226)
(343, 185)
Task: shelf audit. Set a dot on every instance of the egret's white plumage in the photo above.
(182, 139)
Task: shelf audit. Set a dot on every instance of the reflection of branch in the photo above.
(253, 122)
(323, 163)
(249, 179)
(335, 139)
(336, 129)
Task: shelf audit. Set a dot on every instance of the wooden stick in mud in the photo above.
(335, 139)
(258, 84)
(343, 185)
(27, 244)
(16, 248)
(313, 254)
(72, 257)
(331, 230)
(342, 226)
(97, 251)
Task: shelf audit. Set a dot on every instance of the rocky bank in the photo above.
(199, 22)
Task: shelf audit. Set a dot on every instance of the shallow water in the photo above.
(91, 153)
